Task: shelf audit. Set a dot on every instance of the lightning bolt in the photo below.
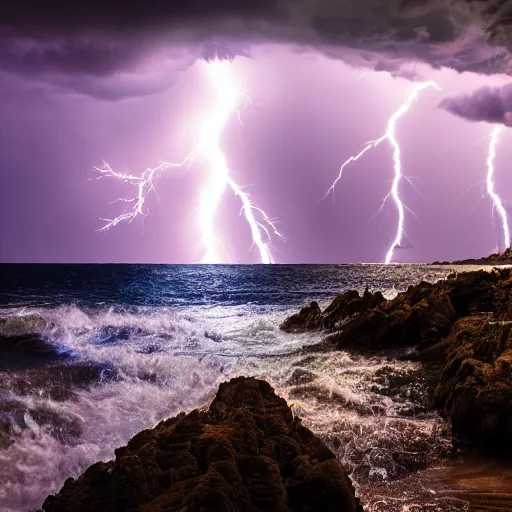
(490, 183)
(228, 95)
(390, 136)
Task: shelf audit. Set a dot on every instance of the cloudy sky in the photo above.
(127, 82)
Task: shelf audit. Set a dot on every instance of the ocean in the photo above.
(109, 350)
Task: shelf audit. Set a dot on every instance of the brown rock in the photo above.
(348, 304)
(245, 453)
(344, 306)
(475, 388)
(415, 318)
(461, 328)
(308, 318)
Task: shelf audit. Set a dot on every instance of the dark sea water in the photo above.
(198, 285)
(108, 350)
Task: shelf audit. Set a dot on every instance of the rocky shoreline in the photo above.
(248, 450)
(459, 328)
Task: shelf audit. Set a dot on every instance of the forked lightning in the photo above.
(228, 96)
(390, 135)
(498, 205)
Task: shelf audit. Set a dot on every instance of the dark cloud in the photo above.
(73, 56)
(490, 104)
(98, 38)
(66, 17)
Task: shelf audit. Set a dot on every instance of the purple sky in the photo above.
(309, 114)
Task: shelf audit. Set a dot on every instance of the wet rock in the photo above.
(422, 316)
(246, 452)
(112, 334)
(475, 387)
(344, 306)
(27, 344)
(24, 396)
(347, 304)
(323, 346)
(460, 329)
(407, 388)
(408, 320)
(388, 458)
(308, 318)
(216, 337)
(319, 393)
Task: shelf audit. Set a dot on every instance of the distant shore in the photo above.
(496, 259)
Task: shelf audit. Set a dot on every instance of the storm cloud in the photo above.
(59, 39)
(489, 104)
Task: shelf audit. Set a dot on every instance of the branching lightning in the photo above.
(390, 135)
(228, 95)
(490, 183)
(144, 183)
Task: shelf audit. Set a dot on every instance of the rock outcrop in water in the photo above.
(461, 327)
(246, 452)
(308, 318)
(475, 387)
(342, 307)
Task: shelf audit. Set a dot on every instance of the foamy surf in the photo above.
(120, 368)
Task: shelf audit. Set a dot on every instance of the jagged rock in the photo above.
(300, 376)
(460, 328)
(474, 292)
(421, 316)
(308, 318)
(347, 304)
(344, 306)
(411, 388)
(475, 387)
(411, 319)
(245, 453)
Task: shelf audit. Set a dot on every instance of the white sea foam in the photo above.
(170, 360)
